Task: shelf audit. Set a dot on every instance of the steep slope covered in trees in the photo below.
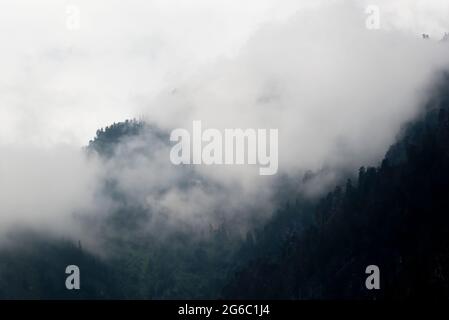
(396, 216)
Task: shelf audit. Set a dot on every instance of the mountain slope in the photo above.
(396, 217)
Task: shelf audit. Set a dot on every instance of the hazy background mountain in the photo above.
(392, 215)
(339, 93)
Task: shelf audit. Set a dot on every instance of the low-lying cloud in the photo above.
(337, 92)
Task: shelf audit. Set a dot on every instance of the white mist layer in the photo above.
(337, 92)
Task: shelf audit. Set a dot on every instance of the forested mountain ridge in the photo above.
(396, 216)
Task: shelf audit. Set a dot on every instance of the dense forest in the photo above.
(394, 216)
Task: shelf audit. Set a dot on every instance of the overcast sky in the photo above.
(59, 83)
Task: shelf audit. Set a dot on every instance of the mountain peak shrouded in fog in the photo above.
(383, 215)
(338, 101)
(109, 138)
(360, 113)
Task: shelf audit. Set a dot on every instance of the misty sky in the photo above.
(59, 85)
